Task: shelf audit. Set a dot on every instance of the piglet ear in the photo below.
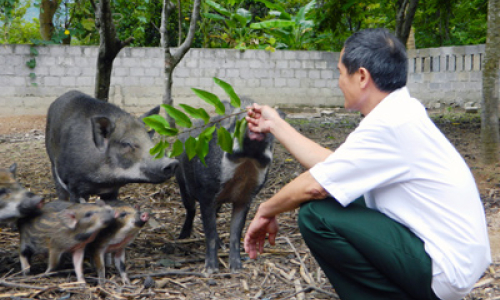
(102, 127)
(153, 111)
(68, 218)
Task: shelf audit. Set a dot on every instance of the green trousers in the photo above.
(365, 254)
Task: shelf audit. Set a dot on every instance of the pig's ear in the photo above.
(68, 218)
(13, 169)
(154, 111)
(102, 127)
(100, 202)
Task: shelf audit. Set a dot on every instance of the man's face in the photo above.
(349, 84)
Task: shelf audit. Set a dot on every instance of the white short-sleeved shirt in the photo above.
(407, 169)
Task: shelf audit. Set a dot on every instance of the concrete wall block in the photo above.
(279, 82)
(293, 82)
(282, 64)
(57, 71)
(294, 64)
(57, 51)
(22, 49)
(18, 81)
(152, 72)
(138, 52)
(6, 49)
(326, 74)
(137, 72)
(192, 82)
(181, 72)
(68, 81)
(249, 54)
(314, 74)
(287, 73)
(267, 83)
(148, 63)
(308, 64)
(301, 73)
(256, 64)
(232, 73)
(287, 54)
(321, 83)
(131, 81)
(241, 64)
(75, 51)
(84, 81)
(147, 81)
(52, 81)
(320, 65)
(121, 72)
(91, 51)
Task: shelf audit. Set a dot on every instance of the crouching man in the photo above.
(394, 212)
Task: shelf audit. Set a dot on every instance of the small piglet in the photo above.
(113, 239)
(15, 201)
(228, 178)
(63, 227)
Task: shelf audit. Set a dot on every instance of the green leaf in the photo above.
(242, 129)
(31, 63)
(33, 51)
(208, 133)
(190, 146)
(32, 75)
(235, 100)
(177, 149)
(224, 140)
(218, 8)
(158, 150)
(278, 7)
(213, 16)
(272, 24)
(180, 118)
(202, 148)
(160, 125)
(197, 113)
(211, 99)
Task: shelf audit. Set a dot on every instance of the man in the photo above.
(420, 232)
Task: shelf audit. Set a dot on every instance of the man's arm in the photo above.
(299, 190)
(306, 151)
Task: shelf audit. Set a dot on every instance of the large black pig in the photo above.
(95, 148)
(228, 178)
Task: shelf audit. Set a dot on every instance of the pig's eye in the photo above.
(89, 214)
(3, 191)
(123, 214)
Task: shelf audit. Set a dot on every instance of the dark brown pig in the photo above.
(63, 227)
(15, 201)
(228, 178)
(96, 147)
(113, 239)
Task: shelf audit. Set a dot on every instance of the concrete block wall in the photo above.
(449, 75)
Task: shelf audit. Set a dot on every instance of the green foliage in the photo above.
(197, 146)
(294, 32)
(230, 27)
(14, 29)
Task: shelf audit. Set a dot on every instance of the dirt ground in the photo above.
(162, 267)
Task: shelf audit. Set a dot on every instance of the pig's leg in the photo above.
(61, 191)
(98, 257)
(78, 264)
(54, 257)
(238, 217)
(25, 263)
(120, 265)
(190, 206)
(208, 216)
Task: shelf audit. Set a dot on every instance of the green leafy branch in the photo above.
(199, 145)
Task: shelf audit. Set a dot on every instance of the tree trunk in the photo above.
(172, 58)
(405, 11)
(47, 10)
(109, 47)
(490, 137)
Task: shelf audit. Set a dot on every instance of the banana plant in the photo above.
(235, 30)
(294, 32)
(196, 146)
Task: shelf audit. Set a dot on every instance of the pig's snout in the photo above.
(143, 219)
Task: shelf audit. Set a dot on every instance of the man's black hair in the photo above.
(381, 53)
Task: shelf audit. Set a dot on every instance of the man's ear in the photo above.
(364, 77)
